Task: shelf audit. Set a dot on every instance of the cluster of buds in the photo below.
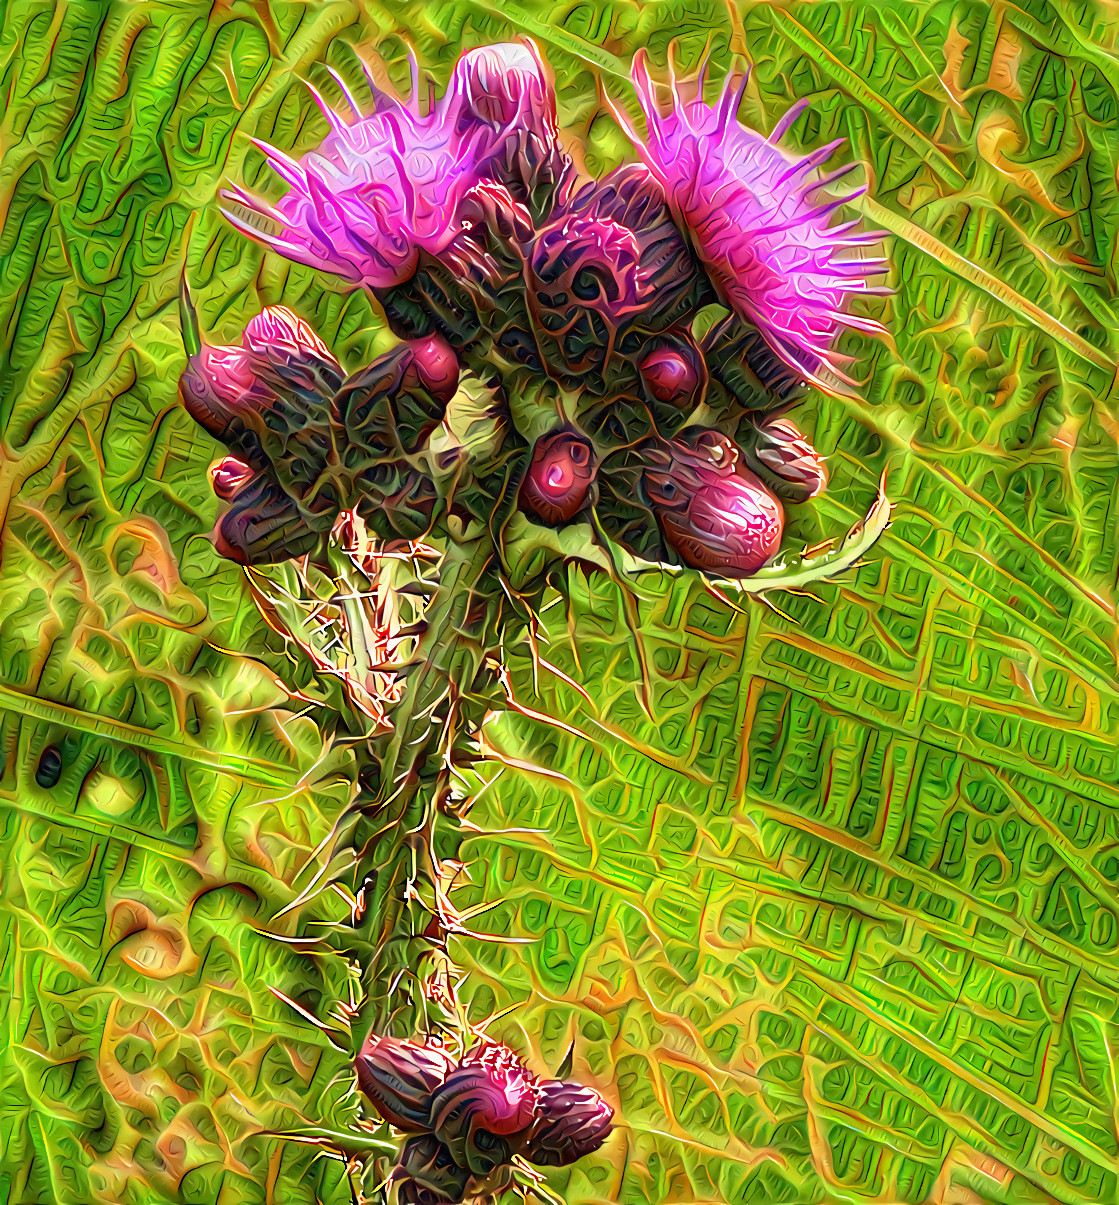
(305, 442)
(467, 1118)
(719, 506)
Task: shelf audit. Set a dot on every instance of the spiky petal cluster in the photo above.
(384, 187)
(748, 210)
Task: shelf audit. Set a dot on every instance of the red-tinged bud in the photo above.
(435, 367)
(280, 340)
(715, 513)
(670, 376)
(278, 334)
(572, 1121)
(559, 478)
(228, 476)
(797, 469)
(400, 1078)
(220, 383)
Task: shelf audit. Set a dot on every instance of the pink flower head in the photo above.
(746, 207)
(384, 187)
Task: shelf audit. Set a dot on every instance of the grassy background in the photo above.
(841, 924)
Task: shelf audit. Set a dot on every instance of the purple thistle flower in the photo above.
(715, 513)
(747, 209)
(384, 187)
(572, 1121)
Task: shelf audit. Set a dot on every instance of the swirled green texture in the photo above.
(839, 924)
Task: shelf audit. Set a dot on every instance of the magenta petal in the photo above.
(747, 207)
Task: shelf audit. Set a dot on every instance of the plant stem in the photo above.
(446, 696)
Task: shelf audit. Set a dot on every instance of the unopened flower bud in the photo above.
(228, 476)
(220, 384)
(572, 1121)
(559, 478)
(670, 376)
(280, 340)
(400, 1079)
(793, 468)
(434, 366)
(715, 513)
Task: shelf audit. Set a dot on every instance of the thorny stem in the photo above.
(446, 695)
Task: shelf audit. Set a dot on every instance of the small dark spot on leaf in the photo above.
(49, 770)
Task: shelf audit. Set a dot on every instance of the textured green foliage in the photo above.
(839, 923)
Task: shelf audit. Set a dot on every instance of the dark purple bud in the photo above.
(228, 476)
(670, 376)
(559, 478)
(484, 1109)
(434, 367)
(262, 526)
(797, 468)
(428, 1175)
(595, 262)
(400, 1078)
(572, 1121)
(715, 513)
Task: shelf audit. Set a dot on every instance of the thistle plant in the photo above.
(553, 398)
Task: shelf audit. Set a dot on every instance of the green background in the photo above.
(840, 923)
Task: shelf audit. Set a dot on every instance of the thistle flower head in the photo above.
(279, 351)
(384, 187)
(748, 210)
(282, 345)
